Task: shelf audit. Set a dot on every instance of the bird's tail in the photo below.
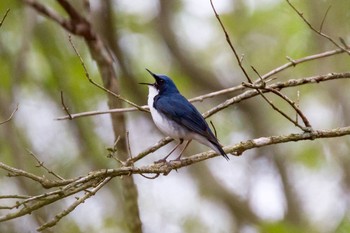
(218, 149)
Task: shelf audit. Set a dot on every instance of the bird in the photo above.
(176, 117)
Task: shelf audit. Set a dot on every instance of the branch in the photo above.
(294, 106)
(245, 95)
(76, 24)
(324, 18)
(260, 92)
(200, 98)
(65, 108)
(150, 150)
(100, 86)
(99, 178)
(94, 113)
(46, 183)
(29, 208)
(239, 60)
(301, 15)
(4, 17)
(265, 77)
(11, 116)
(72, 207)
(240, 148)
(278, 85)
(41, 164)
(262, 86)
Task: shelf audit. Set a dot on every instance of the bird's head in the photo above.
(163, 84)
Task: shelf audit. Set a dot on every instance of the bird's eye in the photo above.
(161, 81)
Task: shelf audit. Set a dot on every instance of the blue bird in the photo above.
(176, 117)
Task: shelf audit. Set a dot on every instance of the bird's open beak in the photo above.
(149, 84)
(154, 76)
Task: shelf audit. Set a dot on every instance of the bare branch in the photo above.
(79, 201)
(289, 101)
(41, 164)
(239, 60)
(18, 172)
(4, 17)
(74, 15)
(262, 86)
(128, 144)
(344, 43)
(76, 24)
(11, 116)
(94, 178)
(100, 86)
(278, 85)
(65, 107)
(293, 105)
(289, 83)
(29, 208)
(274, 106)
(301, 15)
(14, 197)
(150, 150)
(161, 168)
(324, 18)
(269, 74)
(94, 113)
(297, 105)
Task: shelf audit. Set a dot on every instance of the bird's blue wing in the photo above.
(179, 109)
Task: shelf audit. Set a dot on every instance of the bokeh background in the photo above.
(293, 187)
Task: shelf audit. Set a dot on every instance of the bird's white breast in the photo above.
(165, 125)
(170, 127)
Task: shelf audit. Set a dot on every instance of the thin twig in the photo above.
(324, 18)
(297, 104)
(98, 85)
(279, 85)
(94, 177)
(151, 149)
(344, 43)
(14, 197)
(94, 113)
(274, 106)
(239, 60)
(301, 15)
(76, 24)
(289, 101)
(246, 95)
(65, 107)
(263, 87)
(45, 182)
(75, 204)
(11, 116)
(4, 17)
(112, 151)
(128, 144)
(293, 105)
(216, 93)
(29, 208)
(269, 74)
(41, 164)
